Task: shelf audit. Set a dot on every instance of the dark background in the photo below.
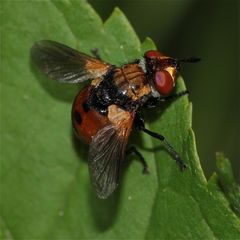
(210, 30)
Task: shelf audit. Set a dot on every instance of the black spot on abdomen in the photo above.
(77, 117)
(85, 106)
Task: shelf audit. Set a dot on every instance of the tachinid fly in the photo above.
(104, 113)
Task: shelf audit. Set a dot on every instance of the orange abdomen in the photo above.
(86, 122)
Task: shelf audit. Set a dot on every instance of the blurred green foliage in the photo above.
(210, 30)
(227, 182)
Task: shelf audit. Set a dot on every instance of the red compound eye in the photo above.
(163, 82)
(153, 54)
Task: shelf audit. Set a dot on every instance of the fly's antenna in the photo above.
(176, 63)
(185, 60)
(190, 60)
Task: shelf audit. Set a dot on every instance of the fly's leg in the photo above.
(171, 150)
(132, 150)
(95, 53)
(138, 121)
(139, 125)
(154, 102)
(173, 96)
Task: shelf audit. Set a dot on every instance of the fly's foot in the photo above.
(95, 53)
(145, 170)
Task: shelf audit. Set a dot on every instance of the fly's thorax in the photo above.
(131, 81)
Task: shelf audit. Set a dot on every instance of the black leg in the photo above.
(154, 102)
(173, 96)
(95, 53)
(138, 121)
(131, 150)
(168, 146)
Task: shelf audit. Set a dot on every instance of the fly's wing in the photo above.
(65, 64)
(106, 154)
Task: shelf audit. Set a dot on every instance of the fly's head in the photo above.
(162, 71)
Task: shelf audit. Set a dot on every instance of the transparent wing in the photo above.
(106, 153)
(65, 64)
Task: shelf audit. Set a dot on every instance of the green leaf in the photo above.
(226, 179)
(45, 186)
